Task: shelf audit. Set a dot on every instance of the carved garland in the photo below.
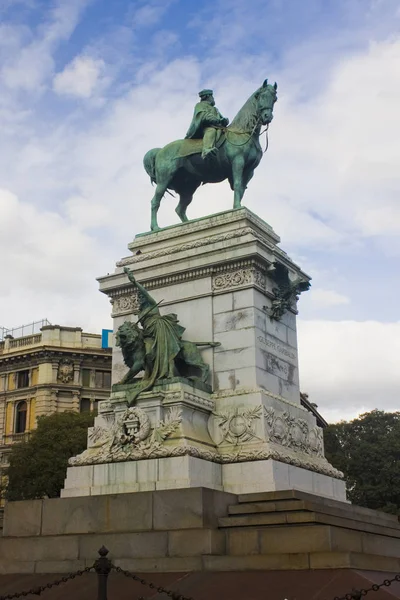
(237, 426)
(232, 279)
(126, 304)
(286, 430)
(128, 437)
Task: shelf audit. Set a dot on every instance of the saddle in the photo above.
(195, 146)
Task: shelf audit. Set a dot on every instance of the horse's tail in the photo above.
(149, 163)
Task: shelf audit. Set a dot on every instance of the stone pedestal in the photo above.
(201, 530)
(246, 431)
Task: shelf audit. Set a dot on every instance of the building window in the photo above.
(103, 379)
(20, 417)
(86, 377)
(85, 404)
(23, 379)
(88, 405)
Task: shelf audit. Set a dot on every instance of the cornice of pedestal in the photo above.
(208, 223)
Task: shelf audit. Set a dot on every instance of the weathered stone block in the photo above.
(243, 542)
(125, 545)
(129, 512)
(190, 508)
(73, 515)
(268, 562)
(196, 542)
(224, 360)
(94, 514)
(375, 544)
(16, 566)
(178, 509)
(330, 560)
(59, 566)
(39, 548)
(171, 564)
(235, 339)
(234, 320)
(222, 303)
(23, 518)
(295, 540)
(243, 299)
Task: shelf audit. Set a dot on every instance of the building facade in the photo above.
(55, 370)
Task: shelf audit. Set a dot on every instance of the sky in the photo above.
(88, 86)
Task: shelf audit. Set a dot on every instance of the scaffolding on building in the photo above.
(23, 330)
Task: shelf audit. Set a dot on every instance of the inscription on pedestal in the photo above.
(277, 347)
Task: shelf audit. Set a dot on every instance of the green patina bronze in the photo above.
(287, 293)
(211, 151)
(156, 347)
(205, 126)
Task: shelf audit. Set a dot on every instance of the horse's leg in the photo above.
(155, 204)
(247, 176)
(185, 198)
(184, 201)
(239, 185)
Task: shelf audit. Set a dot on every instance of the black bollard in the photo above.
(102, 566)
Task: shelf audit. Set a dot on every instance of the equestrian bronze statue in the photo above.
(212, 151)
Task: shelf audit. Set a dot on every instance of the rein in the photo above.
(249, 133)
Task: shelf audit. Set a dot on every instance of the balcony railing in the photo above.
(28, 340)
(12, 438)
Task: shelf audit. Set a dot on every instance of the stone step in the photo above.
(304, 538)
(318, 560)
(292, 495)
(244, 508)
(347, 511)
(302, 517)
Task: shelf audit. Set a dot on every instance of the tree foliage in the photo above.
(367, 450)
(38, 466)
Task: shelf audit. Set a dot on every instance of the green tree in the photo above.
(367, 450)
(38, 466)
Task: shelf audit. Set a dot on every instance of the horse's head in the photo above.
(266, 97)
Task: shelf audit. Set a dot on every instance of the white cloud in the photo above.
(50, 267)
(150, 13)
(85, 214)
(320, 298)
(80, 77)
(32, 62)
(349, 367)
(381, 220)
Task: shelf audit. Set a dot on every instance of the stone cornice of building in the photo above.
(30, 392)
(41, 353)
(198, 273)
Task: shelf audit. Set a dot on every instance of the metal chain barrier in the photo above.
(42, 588)
(358, 594)
(102, 566)
(160, 589)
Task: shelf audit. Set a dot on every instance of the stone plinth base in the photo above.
(188, 471)
(198, 530)
(272, 475)
(142, 476)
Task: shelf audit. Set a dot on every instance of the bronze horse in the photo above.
(239, 153)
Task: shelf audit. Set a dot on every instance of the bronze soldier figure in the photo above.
(206, 118)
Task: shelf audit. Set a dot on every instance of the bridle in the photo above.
(249, 133)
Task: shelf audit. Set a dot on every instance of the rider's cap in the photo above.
(205, 93)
